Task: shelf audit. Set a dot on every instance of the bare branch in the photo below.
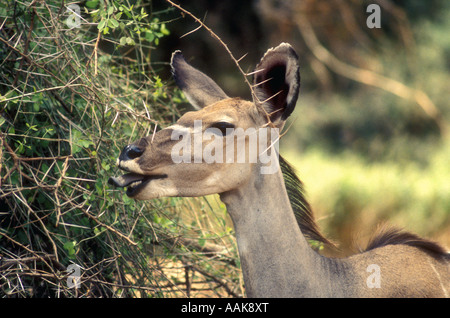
(214, 35)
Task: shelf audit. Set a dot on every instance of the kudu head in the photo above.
(196, 156)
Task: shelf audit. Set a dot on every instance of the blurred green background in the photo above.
(369, 136)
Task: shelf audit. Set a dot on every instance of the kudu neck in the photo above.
(276, 258)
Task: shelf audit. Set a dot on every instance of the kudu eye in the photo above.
(224, 127)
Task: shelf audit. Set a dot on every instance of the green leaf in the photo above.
(92, 4)
(110, 10)
(127, 13)
(164, 30)
(113, 23)
(130, 41)
(75, 149)
(70, 248)
(97, 231)
(149, 36)
(106, 166)
(101, 25)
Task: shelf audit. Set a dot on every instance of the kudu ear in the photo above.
(277, 82)
(199, 89)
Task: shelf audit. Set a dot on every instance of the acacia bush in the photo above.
(78, 83)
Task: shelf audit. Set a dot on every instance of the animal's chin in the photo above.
(133, 182)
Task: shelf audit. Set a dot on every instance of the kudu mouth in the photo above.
(134, 182)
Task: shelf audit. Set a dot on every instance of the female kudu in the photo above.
(275, 256)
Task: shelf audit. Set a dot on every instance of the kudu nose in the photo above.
(131, 152)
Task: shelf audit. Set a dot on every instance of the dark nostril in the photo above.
(135, 152)
(131, 152)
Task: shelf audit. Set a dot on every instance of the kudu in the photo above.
(272, 229)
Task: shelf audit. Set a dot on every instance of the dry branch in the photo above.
(58, 209)
(236, 61)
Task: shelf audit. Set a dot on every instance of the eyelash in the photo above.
(222, 126)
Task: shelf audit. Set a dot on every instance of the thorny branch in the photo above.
(54, 196)
(236, 61)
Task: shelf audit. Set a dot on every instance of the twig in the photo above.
(58, 184)
(214, 35)
(109, 228)
(121, 285)
(41, 258)
(94, 54)
(220, 282)
(196, 29)
(187, 280)
(1, 156)
(27, 42)
(4, 263)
